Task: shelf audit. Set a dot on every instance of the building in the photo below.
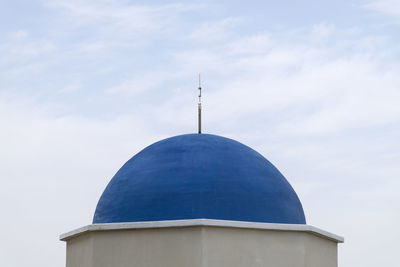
(199, 200)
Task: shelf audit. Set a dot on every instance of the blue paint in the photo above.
(199, 176)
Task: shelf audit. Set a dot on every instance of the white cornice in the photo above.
(203, 222)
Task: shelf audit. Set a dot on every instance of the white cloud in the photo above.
(52, 171)
(214, 31)
(252, 44)
(323, 31)
(140, 83)
(386, 7)
(334, 91)
(20, 34)
(71, 88)
(20, 45)
(120, 17)
(21, 54)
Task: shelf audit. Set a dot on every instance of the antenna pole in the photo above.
(199, 106)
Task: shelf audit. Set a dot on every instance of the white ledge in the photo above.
(202, 222)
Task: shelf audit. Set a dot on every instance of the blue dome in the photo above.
(199, 176)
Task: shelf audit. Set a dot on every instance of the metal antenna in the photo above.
(199, 106)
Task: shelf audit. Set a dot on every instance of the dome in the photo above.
(197, 176)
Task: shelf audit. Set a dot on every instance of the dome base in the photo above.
(201, 242)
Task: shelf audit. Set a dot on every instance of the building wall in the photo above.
(80, 250)
(161, 247)
(235, 247)
(200, 246)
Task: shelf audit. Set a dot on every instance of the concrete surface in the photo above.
(200, 244)
(202, 222)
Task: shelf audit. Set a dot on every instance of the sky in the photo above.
(314, 86)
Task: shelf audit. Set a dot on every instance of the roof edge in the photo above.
(202, 222)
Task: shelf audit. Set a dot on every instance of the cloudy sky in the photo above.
(312, 85)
